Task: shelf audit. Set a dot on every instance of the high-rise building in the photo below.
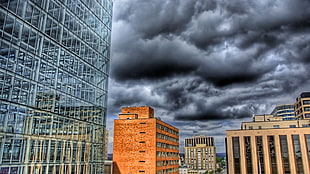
(144, 144)
(269, 144)
(200, 153)
(54, 59)
(302, 106)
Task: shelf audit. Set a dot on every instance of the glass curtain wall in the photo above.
(54, 60)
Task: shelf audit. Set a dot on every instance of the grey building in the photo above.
(54, 60)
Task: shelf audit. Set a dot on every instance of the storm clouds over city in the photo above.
(207, 65)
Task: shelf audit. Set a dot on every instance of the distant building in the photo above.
(144, 144)
(200, 153)
(302, 106)
(286, 112)
(270, 144)
(183, 170)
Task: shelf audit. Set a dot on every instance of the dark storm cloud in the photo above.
(209, 60)
(153, 18)
(153, 54)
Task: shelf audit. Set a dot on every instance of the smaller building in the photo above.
(286, 112)
(200, 153)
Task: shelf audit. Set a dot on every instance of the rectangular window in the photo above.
(298, 157)
(276, 126)
(236, 153)
(142, 161)
(142, 132)
(305, 125)
(272, 156)
(142, 171)
(142, 151)
(307, 137)
(285, 155)
(292, 126)
(142, 142)
(307, 108)
(142, 123)
(248, 154)
(306, 102)
(260, 154)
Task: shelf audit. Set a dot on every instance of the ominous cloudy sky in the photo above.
(205, 66)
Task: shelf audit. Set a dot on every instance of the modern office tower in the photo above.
(286, 112)
(144, 144)
(54, 58)
(302, 106)
(200, 153)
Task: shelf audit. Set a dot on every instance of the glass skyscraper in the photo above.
(54, 58)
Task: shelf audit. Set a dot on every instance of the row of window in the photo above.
(272, 146)
(166, 137)
(53, 151)
(278, 126)
(166, 163)
(166, 129)
(284, 111)
(304, 102)
(166, 171)
(50, 168)
(33, 122)
(166, 146)
(166, 154)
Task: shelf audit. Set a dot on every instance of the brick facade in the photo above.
(144, 144)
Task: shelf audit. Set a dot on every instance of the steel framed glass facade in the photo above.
(54, 60)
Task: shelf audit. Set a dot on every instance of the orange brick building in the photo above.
(144, 144)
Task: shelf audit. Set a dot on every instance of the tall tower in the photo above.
(144, 144)
(54, 59)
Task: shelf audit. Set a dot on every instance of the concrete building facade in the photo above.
(144, 144)
(270, 122)
(269, 151)
(270, 144)
(200, 153)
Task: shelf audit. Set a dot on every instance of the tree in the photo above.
(219, 170)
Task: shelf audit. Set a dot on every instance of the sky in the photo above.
(205, 66)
